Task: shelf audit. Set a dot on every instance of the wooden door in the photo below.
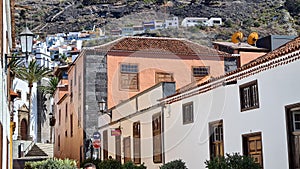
(127, 149)
(23, 129)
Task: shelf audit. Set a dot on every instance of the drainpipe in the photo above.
(12, 125)
(163, 132)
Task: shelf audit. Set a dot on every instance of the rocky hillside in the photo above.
(266, 17)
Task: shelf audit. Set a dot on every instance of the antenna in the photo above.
(252, 38)
(237, 37)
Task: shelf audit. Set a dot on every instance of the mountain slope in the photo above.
(265, 17)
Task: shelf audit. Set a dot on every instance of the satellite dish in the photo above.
(252, 38)
(237, 37)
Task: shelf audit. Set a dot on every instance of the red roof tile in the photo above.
(160, 45)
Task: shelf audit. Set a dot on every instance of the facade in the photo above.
(237, 112)
(172, 22)
(117, 71)
(7, 44)
(242, 53)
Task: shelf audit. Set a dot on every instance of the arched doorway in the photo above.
(23, 129)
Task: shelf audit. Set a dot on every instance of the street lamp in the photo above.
(102, 107)
(26, 37)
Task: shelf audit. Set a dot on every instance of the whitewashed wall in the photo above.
(277, 88)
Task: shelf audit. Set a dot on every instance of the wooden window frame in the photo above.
(252, 97)
(214, 141)
(200, 76)
(246, 151)
(71, 125)
(130, 74)
(164, 78)
(186, 114)
(137, 142)
(157, 138)
(289, 109)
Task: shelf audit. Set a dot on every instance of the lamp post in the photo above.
(26, 38)
(102, 108)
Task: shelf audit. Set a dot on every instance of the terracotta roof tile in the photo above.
(159, 45)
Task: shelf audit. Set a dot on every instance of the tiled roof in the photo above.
(249, 69)
(159, 45)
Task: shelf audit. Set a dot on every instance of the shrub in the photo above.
(235, 161)
(110, 164)
(176, 164)
(90, 160)
(131, 165)
(52, 164)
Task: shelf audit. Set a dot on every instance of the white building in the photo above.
(193, 21)
(172, 22)
(6, 45)
(253, 111)
(21, 107)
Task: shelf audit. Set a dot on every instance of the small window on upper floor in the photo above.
(163, 77)
(249, 96)
(200, 71)
(129, 76)
(19, 94)
(187, 113)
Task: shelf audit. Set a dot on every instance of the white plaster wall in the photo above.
(22, 86)
(277, 88)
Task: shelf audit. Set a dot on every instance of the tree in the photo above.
(51, 86)
(32, 74)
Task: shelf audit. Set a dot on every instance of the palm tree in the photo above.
(51, 86)
(32, 74)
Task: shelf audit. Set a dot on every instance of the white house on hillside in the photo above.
(193, 21)
(254, 110)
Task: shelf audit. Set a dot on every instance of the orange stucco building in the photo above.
(115, 72)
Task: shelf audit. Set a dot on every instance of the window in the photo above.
(293, 134)
(296, 120)
(59, 116)
(66, 117)
(71, 90)
(187, 113)
(252, 146)
(71, 125)
(27, 96)
(66, 133)
(249, 96)
(79, 87)
(163, 77)
(79, 116)
(118, 147)
(19, 94)
(127, 149)
(200, 71)
(137, 143)
(129, 76)
(216, 139)
(105, 145)
(58, 142)
(157, 145)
